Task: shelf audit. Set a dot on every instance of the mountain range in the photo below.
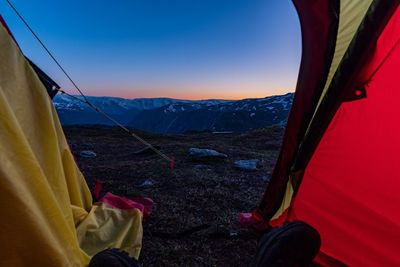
(167, 115)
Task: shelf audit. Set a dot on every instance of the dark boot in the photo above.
(113, 258)
(292, 244)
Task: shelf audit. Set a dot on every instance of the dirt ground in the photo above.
(209, 193)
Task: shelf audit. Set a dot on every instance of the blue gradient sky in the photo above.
(176, 48)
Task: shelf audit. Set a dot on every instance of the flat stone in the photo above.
(87, 154)
(247, 164)
(201, 153)
(148, 183)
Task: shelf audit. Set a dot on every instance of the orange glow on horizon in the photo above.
(189, 94)
(235, 96)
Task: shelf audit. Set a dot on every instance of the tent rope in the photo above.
(85, 100)
(45, 48)
(97, 109)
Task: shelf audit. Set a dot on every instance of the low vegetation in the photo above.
(193, 194)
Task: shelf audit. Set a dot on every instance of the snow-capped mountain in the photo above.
(110, 104)
(166, 115)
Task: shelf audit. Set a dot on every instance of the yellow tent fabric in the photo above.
(351, 14)
(47, 217)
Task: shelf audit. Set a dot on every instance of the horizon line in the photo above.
(184, 99)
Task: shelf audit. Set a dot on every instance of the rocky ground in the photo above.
(195, 193)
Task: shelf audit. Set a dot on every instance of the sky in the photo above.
(186, 49)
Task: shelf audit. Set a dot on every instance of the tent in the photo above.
(48, 218)
(337, 168)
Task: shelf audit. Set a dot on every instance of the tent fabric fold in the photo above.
(47, 214)
(319, 25)
(341, 155)
(352, 174)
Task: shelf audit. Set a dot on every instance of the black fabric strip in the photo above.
(275, 191)
(339, 91)
(330, 53)
(45, 79)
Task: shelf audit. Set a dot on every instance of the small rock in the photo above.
(247, 165)
(87, 154)
(199, 153)
(266, 178)
(148, 183)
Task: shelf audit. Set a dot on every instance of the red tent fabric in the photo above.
(341, 161)
(319, 24)
(350, 189)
